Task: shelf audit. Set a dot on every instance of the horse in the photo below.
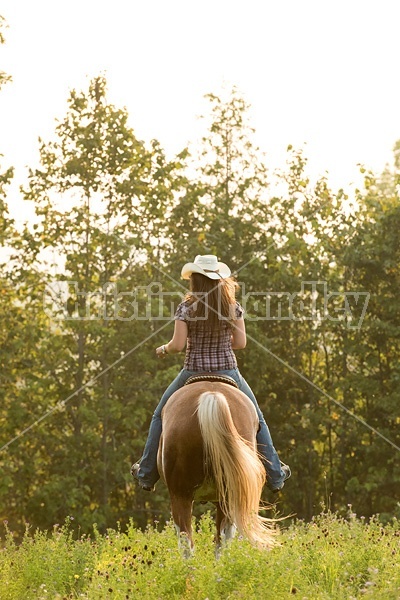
(208, 453)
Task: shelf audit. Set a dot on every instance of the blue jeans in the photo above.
(148, 472)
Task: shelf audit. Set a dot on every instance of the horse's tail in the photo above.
(238, 472)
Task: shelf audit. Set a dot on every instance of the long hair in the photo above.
(212, 300)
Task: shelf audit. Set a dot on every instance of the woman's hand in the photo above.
(161, 351)
(177, 343)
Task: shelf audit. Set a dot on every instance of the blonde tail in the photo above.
(238, 472)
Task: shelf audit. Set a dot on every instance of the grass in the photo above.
(328, 558)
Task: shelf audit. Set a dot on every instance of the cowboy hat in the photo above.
(207, 265)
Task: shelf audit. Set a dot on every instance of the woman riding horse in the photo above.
(210, 323)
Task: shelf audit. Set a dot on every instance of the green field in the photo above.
(330, 557)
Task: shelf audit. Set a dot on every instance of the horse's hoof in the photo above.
(185, 545)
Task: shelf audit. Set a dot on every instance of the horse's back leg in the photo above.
(181, 508)
(226, 530)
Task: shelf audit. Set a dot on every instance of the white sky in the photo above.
(320, 72)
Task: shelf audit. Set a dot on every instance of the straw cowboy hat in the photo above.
(207, 265)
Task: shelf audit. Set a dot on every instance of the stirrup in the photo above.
(135, 474)
(287, 472)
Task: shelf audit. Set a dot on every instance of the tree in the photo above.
(224, 210)
(4, 77)
(372, 376)
(5, 178)
(90, 289)
(94, 195)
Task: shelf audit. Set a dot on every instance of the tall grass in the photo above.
(331, 557)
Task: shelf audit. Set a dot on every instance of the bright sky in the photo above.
(320, 72)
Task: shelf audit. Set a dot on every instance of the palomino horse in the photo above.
(208, 453)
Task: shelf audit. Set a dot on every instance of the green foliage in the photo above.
(99, 242)
(5, 221)
(116, 219)
(330, 557)
(46, 564)
(4, 77)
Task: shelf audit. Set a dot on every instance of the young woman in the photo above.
(210, 323)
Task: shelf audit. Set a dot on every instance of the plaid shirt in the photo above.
(207, 349)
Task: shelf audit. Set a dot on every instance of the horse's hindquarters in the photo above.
(222, 448)
(181, 450)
